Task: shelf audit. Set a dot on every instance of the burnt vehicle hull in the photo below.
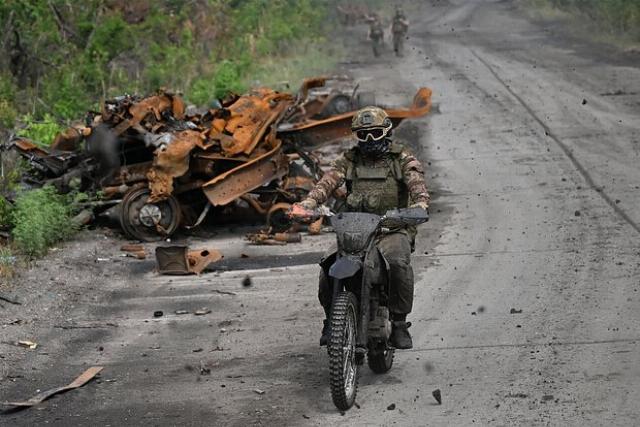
(164, 169)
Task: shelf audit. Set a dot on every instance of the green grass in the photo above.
(41, 218)
(612, 21)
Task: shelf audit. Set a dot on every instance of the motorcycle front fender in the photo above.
(345, 267)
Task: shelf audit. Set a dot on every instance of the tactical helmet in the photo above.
(370, 117)
(371, 126)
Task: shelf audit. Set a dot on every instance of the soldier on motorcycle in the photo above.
(379, 175)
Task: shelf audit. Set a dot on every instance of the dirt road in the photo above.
(527, 306)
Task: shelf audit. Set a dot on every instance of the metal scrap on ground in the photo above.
(86, 376)
(179, 260)
(155, 165)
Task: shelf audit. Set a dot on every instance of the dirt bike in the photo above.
(360, 322)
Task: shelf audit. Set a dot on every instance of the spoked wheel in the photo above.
(148, 221)
(380, 360)
(343, 369)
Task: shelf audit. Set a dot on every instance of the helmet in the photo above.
(370, 117)
(371, 126)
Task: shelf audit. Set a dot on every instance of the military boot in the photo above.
(326, 331)
(400, 337)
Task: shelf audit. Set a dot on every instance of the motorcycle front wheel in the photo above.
(343, 369)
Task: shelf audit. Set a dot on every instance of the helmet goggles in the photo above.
(372, 133)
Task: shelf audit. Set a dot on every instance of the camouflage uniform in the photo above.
(399, 29)
(376, 35)
(376, 185)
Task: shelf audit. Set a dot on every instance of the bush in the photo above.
(41, 132)
(5, 213)
(7, 263)
(7, 114)
(41, 218)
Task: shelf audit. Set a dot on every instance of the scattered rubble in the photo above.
(27, 344)
(437, 395)
(134, 251)
(155, 166)
(246, 282)
(266, 238)
(202, 311)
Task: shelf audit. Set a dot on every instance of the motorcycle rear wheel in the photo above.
(343, 369)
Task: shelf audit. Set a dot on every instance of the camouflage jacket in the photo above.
(411, 172)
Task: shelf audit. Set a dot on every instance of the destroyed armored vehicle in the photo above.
(158, 168)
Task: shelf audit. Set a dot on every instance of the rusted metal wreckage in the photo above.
(161, 167)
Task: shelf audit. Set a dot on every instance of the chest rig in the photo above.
(375, 185)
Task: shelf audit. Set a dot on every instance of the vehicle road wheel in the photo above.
(148, 221)
(380, 360)
(343, 370)
(340, 104)
(277, 217)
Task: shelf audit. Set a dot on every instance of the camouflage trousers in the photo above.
(396, 248)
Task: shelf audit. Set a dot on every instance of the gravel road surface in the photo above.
(527, 305)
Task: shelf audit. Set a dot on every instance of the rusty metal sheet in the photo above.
(171, 161)
(262, 170)
(70, 138)
(180, 260)
(314, 133)
(84, 378)
(250, 117)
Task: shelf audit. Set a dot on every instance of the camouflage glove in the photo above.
(308, 204)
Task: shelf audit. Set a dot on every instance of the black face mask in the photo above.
(374, 148)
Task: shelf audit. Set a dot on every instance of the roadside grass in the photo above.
(8, 263)
(613, 22)
(41, 218)
(288, 72)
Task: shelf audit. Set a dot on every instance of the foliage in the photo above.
(42, 131)
(41, 218)
(7, 263)
(5, 212)
(616, 17)
(66, 56)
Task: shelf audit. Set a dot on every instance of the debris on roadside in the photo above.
(134, 251)
(156, 166)
(266, 238)
(83, 379)
(437, 395)
(179, 260)
(246, 282)
(202, 311)
(204, 369)
(27, 344)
